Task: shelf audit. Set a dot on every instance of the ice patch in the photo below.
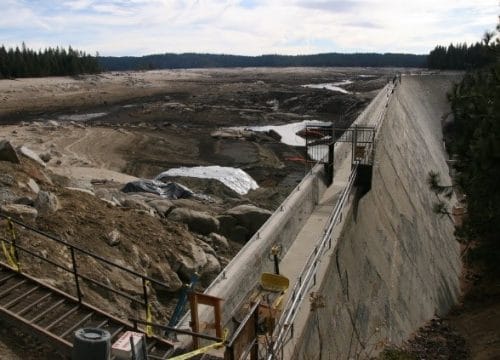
(289, 132)
(235, 179)
(336, 86)
(82, 117)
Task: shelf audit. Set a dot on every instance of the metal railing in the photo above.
(74, 253)
(307, 276)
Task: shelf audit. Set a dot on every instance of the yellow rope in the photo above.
(149, 317)
(10, 254)
(203, 350)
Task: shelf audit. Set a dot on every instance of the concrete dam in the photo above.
(365, 271)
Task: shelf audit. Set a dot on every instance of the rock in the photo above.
(240, 234)
(45, 157)
(113, 238)
(24, 212)
(135, 203)
(273, 134)
(187, 260)
(6, 196)
(7, 152)
(162, 207)
(210, 270)
(6, 179)
(163, 273)
(250, 216)
(218, 241)
(53, 123)
(33, 186)
(46, 202)
(31, 154)
(230, 228)
(226, 223)
(86, 191)
(206, 247)
(197, 221)
(24, 200)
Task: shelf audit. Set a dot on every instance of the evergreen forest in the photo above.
(473, 139)
(24, 62)
(193, 60)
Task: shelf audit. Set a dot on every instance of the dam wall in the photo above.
(397, 263)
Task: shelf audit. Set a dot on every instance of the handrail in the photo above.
(307, 275)
(82, 250)
(74, 250)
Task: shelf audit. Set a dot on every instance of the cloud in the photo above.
(336, 6)
(253, 27)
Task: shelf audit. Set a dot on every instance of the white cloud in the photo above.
(253, 27)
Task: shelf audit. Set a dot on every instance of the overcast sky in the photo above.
(246, 27)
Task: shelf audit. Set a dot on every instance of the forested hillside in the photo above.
(192, 60)
(26, 62)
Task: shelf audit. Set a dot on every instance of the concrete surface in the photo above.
(396, 263)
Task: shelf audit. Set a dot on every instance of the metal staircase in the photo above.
(46, 312)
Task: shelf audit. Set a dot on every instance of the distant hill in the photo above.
(193, 60)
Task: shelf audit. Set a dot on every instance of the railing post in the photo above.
(75, 274)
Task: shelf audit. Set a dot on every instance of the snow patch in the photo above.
(235, 179)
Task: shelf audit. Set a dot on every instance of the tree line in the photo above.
(463, 56)
(24, 62)
(474, 140)
(193, 60)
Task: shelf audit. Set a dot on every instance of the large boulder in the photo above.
(187, 260)
(7, 152)
(249, 216)
(162, 207)
(218, 241)
(47, 202)
(210, 270)
(163, 273)
(230, 228)
(31, 154)
(196, 221)
(24, 212)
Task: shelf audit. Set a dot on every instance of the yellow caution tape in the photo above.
(149, 320)
(203, 350)
(149, 317)
(11, 254)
